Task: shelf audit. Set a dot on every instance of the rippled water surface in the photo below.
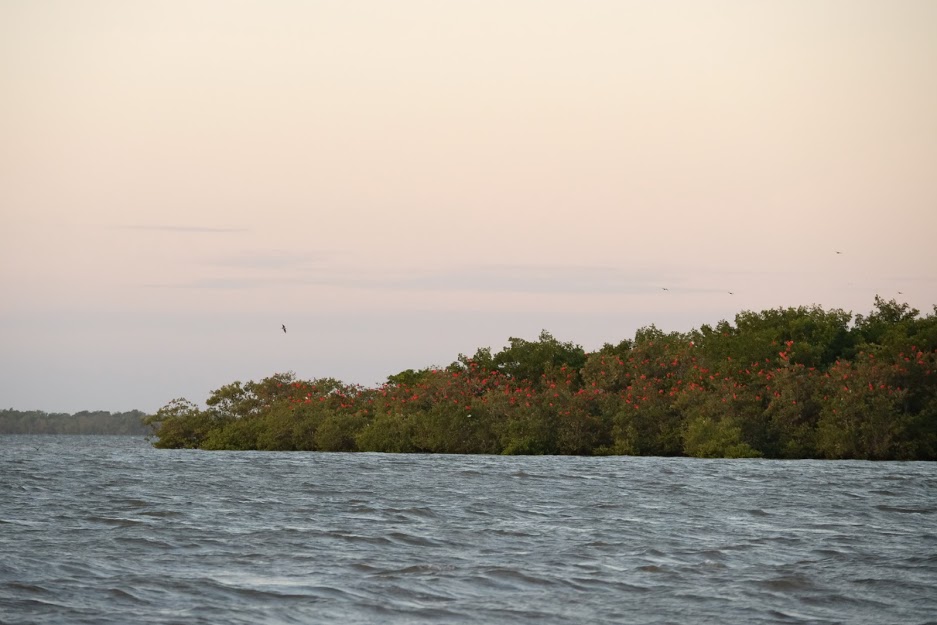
(109, 530)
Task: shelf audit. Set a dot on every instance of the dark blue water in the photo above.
(109, 530)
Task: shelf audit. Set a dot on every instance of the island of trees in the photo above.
(783, 383)
(85, 422)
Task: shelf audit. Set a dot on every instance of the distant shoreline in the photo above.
(98, 423)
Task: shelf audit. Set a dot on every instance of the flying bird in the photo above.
(731, 293)
(837, 251)
(284, 327)
(665, 288)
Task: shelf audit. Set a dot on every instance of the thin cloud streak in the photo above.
(273, 260)
(293, 275)
(536, 279)
(185, 229)
(213, 283)
(519, 279)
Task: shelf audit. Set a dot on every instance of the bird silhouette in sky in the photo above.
(731, 293)
(665, 288)
(837, 251)
(283, 325)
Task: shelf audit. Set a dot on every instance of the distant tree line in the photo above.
(782, 383)
(38, 422)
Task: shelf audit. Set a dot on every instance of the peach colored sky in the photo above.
(399, 182)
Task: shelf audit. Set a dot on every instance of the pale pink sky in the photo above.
(399, 182)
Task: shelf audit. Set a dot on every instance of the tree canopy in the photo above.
(782, 383)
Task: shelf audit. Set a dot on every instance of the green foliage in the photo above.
(782, 383)
(707, 438)
(389, 433)
(409, 377)
(180, 424)
(529, 360)
(337, 432)
(889, 322)
(879, 408)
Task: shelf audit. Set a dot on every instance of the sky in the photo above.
(401, 182)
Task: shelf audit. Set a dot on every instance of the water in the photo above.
(108, 530)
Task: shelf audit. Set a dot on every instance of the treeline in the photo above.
(783, 383)
(100, 422)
